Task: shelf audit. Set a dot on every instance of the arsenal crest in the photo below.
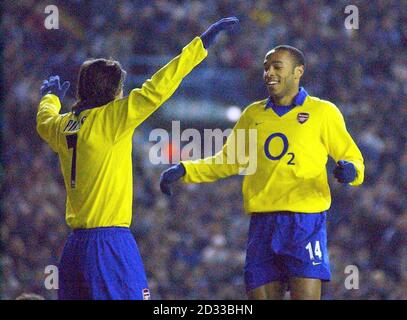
(302, 117)
(146, 294)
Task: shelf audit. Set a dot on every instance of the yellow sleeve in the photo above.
(340, 144)
(49, 119)
(231, 160)
(122, 116)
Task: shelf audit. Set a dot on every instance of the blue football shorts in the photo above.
(102, 264)
(283, 245)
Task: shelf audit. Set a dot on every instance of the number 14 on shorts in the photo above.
(314, 251)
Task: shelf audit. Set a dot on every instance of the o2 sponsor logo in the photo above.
(274, 157)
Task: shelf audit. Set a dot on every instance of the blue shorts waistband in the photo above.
(286, 213)
(100, 231)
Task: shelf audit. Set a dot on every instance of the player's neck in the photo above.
(287, 99)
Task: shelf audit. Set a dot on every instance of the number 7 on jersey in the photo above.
(72, 141)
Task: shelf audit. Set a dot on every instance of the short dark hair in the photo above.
(99, 82)
(297, 54)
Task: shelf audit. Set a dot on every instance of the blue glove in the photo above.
(208, 37)
(169, 176)
(52, 85)
(345, 172)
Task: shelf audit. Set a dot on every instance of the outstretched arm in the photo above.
(48, 117)
(235, 157)
(128, 113)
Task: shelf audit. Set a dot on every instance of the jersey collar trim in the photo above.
(298, 101)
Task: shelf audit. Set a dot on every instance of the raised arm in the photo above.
(126, 114)
(48, 117)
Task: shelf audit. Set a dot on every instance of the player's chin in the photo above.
(274, 91)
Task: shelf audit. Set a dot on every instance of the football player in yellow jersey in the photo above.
(288, 195)
(94, 144)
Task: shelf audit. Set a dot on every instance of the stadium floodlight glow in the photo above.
(233, 113)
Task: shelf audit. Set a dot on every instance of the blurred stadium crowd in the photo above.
(193, 244)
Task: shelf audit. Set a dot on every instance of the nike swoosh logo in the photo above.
(316, 263)
(257, 123)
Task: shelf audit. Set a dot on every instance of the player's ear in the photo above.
(298, 72)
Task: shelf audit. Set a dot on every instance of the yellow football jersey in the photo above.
(291, 153)
(95, 147)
